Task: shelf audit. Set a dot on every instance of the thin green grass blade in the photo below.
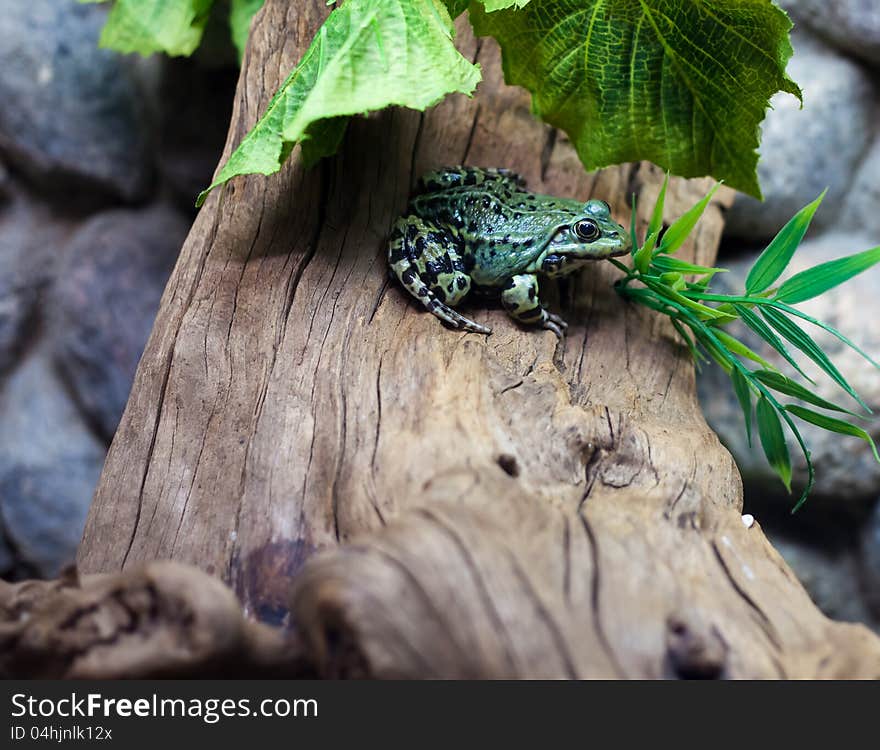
(778, 382)
(834, 425)
(774, 260)
(773, 440)
(675, 236)
(752, 320)
(744, 396)
(796, 335)
(819, 279)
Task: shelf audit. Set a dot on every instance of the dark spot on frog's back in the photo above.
(263, 580)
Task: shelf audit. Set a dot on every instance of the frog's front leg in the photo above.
(520, 299)
(425, 259)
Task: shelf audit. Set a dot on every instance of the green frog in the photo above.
(471, 230)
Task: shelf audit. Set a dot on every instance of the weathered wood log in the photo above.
(162, 619)
(486, 507)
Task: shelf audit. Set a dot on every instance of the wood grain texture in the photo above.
(483, 507)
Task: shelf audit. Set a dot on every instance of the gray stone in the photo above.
(830, 578)
(49, 466)
(29, 241)
(71, 117)
(803, 151)
(869, 560)
(104, 302)
(861, 211)
(851, 25)
(846, 471)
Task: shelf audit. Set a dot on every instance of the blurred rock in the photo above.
(851, 25)
(805, 151)
(29, 237)
(862, 208)
(105, 300)
(831, 579)
(869, 560)
(71, 117)
(49, 466)
(846, 471)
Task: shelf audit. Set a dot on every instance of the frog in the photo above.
(480, 231)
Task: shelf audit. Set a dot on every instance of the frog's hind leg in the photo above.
(432, 274)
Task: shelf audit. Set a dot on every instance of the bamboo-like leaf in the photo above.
(773, 441)
(778, 382)
(674, 280)
(774, 260)
(642, 260)
(834, 425)
(708, 313)
(819, 279)
(738, 347)
(713, 350)
(761, 328)
(687, 340)
(831, 329)
(675, 236)
(744, 396)
(796, 335)
(665, 263)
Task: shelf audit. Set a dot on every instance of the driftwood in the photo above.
(483, 507)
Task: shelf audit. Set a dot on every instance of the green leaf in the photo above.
(147, 26)
(744, 396)
(773, 441)
(778, 382)
(665, 263)
(831, 329)
(681, 228)
(799, 338)
(642, 258)
(368, 55)
(682, 84)
(241, 13)
(774, 260)
(761, 328)
(834, 425)
(738, 347)
(707, 313)
(819, 279)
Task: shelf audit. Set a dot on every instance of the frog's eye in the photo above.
(586, 230)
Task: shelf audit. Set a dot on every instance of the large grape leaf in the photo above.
(368, 55)
(682, 83)
(147, 26)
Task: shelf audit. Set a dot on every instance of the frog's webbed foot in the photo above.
(520, 299)
(555, 323)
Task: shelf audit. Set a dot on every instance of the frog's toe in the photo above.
(555, 319)
(557, 328)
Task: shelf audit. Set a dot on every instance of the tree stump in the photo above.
(503, 506)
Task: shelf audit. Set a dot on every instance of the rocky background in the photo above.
(101, 157)
(833, 542)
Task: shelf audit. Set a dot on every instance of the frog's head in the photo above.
(591, 235)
